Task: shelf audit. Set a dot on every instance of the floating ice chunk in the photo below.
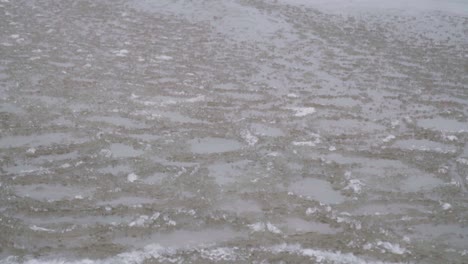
(249, 137)
(463, 161)
(304, 143)
(155, 216)
(31, 151)
(169, 221)
(308, 143)
(446, 206)
(332, 148)
(388, 138)
(257, 227)
(139, 222)
(368, 246)
(355, 185)
(302, 111)
(347, 175)
(106, 153)
(165, 103)
(395, 123)
(451, 138)
(121, 53)
(393, 248)
(132, 177)
(164, 57)
(261, 227)
(199, 98)
(40, 229)
(311, 211)
(292, 95)
(443, 170)
(272, 228)
(14, 36)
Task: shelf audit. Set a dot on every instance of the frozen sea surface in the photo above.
(236, 131)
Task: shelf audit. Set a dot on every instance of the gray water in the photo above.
(237, 131)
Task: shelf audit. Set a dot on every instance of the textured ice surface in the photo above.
(234, 131)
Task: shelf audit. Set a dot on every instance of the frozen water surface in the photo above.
(234, 131)
(213, 145)
(37, 140)
(316, 189)
(119, 150)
